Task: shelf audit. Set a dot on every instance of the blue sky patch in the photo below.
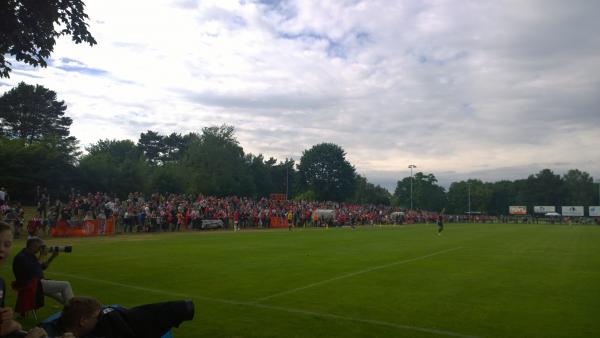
(83, 70)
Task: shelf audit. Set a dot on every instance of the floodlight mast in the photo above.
(287, 179)
(411, 166)
(469, 194)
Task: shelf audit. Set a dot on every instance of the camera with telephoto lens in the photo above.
(52, 249)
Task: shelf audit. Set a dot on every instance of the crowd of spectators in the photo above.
(176, 212)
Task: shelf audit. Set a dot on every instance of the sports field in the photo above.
(476, 280)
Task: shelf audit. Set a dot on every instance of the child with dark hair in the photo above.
(79, 318)
(86, 317)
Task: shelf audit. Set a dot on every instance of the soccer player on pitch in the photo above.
(440, 222)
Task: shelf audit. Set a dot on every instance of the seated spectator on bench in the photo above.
(9, 327)
(29, 264)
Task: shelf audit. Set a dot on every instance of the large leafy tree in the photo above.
(283, 176)
(175, 146)
(503, 195)
(159, 149)
(368, 193)
(426, 193)
(48, 162)
(152, 145)
(543, 188)
(29, 29)
(579, 188)
(215, 164)
(286, 177)
(114, 166)
(30, 112)
(168, 178)
(473, 194)
(325, 171)
(261, 174)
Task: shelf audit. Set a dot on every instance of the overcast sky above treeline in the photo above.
(462, 89)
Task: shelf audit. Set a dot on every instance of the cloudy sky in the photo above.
(481, 89)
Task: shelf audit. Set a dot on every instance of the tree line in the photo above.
(543, 188)
(36, 150)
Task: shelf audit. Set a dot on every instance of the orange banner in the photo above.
(93, 227)
(278, 197)
(278, 222)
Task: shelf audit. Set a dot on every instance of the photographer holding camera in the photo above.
(9, 327)
(29, 264)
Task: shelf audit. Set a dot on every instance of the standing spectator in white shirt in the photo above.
(3, 196)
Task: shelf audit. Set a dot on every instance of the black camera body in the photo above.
(52, 249)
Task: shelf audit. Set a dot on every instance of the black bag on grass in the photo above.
(145, 321)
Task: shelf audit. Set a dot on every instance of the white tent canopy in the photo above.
(325, 214)
(552, 214)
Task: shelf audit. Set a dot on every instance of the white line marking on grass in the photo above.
(135, 239)
(352, 274)
(360, 320)
(270, 307)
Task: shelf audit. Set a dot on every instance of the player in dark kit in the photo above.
(440, 222)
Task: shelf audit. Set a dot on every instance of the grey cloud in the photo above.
(262, 101)
(83, 70)
(283, 10)
(27, 74)
(135, 108)
(335, 48)
(271, 3)
(136, 47)
(229, 18)
(561, 24)
(131, 121)
(129, 118)
(186, 4)
(76, 66)
(71, 61)
(389, 80)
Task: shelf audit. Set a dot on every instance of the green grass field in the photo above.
(476, 280)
